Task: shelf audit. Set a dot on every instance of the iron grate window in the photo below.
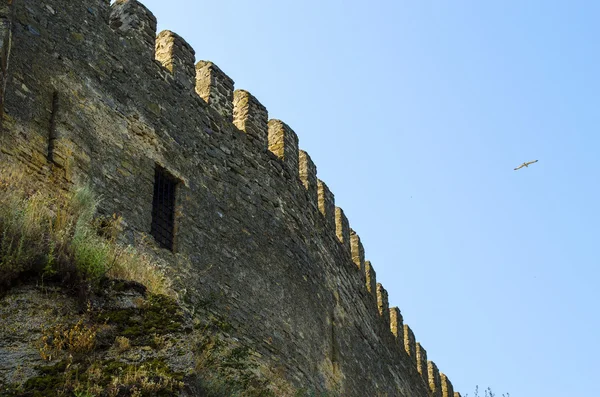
(163, 208)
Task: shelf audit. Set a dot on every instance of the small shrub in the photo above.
(77, 340)
(487, 393)
(46, 231)
(25, 220)
(90, 377)
(147, 379)
(123, 344)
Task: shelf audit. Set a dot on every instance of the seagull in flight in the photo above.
(526, 164)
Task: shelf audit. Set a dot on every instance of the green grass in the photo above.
(48, 233)
(52, 233)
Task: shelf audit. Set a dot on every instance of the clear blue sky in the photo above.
(416, 113)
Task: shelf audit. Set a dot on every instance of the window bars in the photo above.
(163, 208)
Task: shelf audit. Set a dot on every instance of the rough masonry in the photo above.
(91, 92)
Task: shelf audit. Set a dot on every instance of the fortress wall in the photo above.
(94, 95)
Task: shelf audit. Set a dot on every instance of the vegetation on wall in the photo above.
(53, 238)
(486, 393)
(54, 234)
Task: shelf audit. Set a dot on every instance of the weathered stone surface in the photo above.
(250, 116)
(397, 326)
(435, 382)
(447, 389)
(358, 251)
(308, 176)
(342, 228)
(283, 143)
(178, 57)
(255, 230)
(126, 326)
(383, 305)
(133, 21)
(371, 279)
(216, 88)
(422, 362)
(410, 345)
(326, 204)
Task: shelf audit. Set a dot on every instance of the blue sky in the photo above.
(416, 113)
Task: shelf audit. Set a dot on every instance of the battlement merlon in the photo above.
(251, 117)
(342, 228)
(422, 362)
(397, 326)
(447, 388)
(371, 279)
(358, 251)
(178, 57)
(435, 382)
(283, 143)
(383, 305)
(410, 344)
(308, 176)
(216, 88)
(326, 204)
(133, 21)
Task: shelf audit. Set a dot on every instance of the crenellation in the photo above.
(358, 251)
(131, 19)
(435, 382)
(422, 362)
(216, 88)
(342, 228)
(283, 142)
(250, 233)
(178, 57)
(326, 204)
(383, 305)
(447, 388)
(397, 325)
(308, 176)
(371, 279)
(410, 344)
(251, 117)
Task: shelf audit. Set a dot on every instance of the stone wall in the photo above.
(95, 96)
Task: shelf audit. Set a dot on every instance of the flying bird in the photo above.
(526, 164)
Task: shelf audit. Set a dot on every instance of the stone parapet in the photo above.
(216, 88)
(134, 21)
(93, 94)
(251, 117)
(283, 142)
(178, 57)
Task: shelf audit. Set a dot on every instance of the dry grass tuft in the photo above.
(55, 233)
(137, 264)
(76, 340)
(123, 344)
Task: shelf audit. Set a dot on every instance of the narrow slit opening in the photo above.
(163, 208)
(52, 129)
